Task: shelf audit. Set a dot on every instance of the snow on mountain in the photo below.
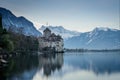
(18, 24)
(61, 31)
(99, 38)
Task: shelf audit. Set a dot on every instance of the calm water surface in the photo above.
(67, 66)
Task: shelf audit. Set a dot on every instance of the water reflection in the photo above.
(68, 66)
(21, 67)
(99, 63)
(50, 63)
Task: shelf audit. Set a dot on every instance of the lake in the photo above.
(67, 66)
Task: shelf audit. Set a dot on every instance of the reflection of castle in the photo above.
(50, 63)
(51, 41)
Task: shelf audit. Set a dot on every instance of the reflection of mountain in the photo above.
(99, 63)
(50, 62)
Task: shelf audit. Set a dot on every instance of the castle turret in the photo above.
(47, 33)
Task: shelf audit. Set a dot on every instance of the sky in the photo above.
(78, 15)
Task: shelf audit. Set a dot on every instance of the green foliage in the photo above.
(5, 42)
(14, 41)
(10, 46)
(24, 43)
(1, 28)
(4, 31)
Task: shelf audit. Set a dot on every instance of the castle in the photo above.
(50, 41)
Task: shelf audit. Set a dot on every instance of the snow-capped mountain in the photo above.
(18, 24)
(99, 38)
(61, 31)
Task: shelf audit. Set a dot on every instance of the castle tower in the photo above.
(46, 33)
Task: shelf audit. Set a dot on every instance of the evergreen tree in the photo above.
(1, 29)
(10, 41)
(5, 42)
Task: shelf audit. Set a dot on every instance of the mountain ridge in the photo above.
(60, 30)
(96, 39)
(18, 24)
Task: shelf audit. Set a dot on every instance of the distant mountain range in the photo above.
(61, 31)
(99, 38)
(18, 24)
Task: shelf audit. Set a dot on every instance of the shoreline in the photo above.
(91, 50)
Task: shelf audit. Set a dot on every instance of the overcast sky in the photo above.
(79, 15)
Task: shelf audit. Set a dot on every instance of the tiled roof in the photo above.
(47, 29)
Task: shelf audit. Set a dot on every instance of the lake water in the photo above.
(67, 66)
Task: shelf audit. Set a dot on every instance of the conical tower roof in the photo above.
(47, 29)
